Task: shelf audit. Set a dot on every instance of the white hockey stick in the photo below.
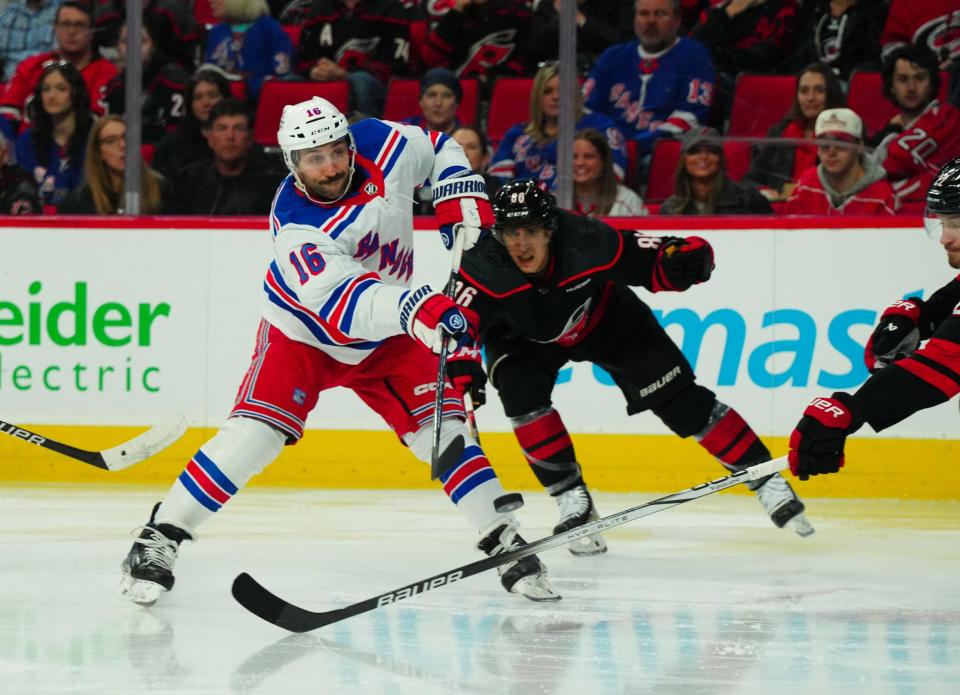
(141, 447)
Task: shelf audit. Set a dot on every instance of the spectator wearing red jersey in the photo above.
(482, 38)
(846, 182)
(931, 23)
(73, 30)
(924, 134)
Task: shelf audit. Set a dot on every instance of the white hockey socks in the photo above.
(470, 482)
(238, 451)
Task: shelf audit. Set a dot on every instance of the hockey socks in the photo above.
(241, 448)
(548, 449)
(730, 439)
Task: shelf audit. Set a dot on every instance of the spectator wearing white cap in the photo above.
(845, 182)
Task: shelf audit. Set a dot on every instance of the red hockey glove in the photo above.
(681, 263)
(816, 445)
(470, 216)
(465, 371)
(896, 336)
(426, 316)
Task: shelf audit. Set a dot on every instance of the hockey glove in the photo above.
(682, 263)
(470, 216)
(816, 445)
(428, 316)
(896, 336)
(465, 371)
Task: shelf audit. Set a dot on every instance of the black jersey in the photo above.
(591, 265)
(926, 378)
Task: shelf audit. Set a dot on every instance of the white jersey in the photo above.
(341, 270)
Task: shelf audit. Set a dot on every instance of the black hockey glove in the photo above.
(465, 371)
(816, 445)
(896, 336)
(682, 263)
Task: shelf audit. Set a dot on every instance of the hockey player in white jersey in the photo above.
(338, 311)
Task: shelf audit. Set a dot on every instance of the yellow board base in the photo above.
(903, 468)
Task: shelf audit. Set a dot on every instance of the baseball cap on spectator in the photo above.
(444, 77)
(701, 135)
(841, 124)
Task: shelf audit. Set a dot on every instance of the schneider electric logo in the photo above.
(51, 337)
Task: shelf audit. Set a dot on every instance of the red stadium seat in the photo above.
(203, 14)
(509, 105)
(238, 88)
(866, 97)
(759, 101)
(663, 170)
(737, 155)
(403, 100)
(276, 94)
(293, 31)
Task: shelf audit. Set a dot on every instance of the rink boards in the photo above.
(107, 326)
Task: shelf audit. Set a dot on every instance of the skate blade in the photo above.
(141, 592)
(587, 546)
(536, 588)
(801, 526)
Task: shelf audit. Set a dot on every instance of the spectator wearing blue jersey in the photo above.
(248, 42)
(52, 149)
(529, 150)
(657, 85)
(26, 28)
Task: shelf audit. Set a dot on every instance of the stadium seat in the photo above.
(203, 14)
(759, 101)
(509, 105)
(663, 170)
(737, 155)
(276, 94)
(403, 100)
(293, 31)
(238, 88)
(866, 97)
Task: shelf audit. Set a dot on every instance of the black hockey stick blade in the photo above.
(119, 457)
(257, 599)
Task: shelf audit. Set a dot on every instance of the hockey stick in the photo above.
(435, 471)
(141, 447)
(261, 602)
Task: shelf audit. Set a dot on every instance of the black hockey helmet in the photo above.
(943, 198)
(523, 203)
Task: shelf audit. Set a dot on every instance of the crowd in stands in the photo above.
(854, 104)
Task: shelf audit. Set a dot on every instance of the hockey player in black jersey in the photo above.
(905, 379)
(552, 287)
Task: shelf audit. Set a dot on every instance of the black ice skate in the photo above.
(148, 567)
(576, 509)
(782, 504)
(526, 576)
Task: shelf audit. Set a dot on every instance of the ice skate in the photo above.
(782, 504)
(526, 576)
(148, 567)
(576, 509)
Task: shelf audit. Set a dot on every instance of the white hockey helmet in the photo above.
(310, 124)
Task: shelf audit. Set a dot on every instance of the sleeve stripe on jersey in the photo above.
(281, 295)
(386, 151)
(922, 366)
(394, 156)
(342, 315)
(504, 169)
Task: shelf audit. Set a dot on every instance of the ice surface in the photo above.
(705, 598)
